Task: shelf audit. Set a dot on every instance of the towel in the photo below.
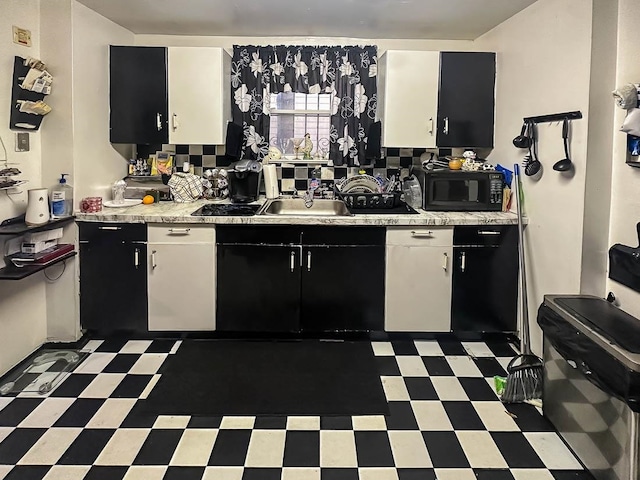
(234, 141)
(631, 124)
(374, 142)
(626, 96)
(186, 187)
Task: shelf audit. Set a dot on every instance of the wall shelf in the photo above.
(22, 228)
(554, 117)
(11, 272)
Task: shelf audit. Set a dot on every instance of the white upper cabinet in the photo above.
(408, 98)
(199, 102)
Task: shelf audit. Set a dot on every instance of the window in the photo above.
(295, 114)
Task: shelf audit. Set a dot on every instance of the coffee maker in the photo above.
(244, 181)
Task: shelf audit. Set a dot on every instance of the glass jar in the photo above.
(117, 191)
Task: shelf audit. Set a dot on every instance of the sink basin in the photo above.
(296, 206)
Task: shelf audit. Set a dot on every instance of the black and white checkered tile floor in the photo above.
(446, 422)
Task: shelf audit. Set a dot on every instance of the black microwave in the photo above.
(462, 191)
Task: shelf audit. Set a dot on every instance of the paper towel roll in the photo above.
(271, 181)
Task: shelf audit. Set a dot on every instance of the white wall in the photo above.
(97, 164)
(22, 303)
(229, 42)
(543, 56)
(77, 40)
(597, 199)
(625, 201)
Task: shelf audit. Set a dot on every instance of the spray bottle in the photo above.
(61, 198)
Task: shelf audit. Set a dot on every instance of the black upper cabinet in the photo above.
(138, 95)
(466, 99)
(113, 277)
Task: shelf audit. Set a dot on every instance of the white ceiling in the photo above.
(415, 19)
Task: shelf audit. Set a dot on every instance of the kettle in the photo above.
(37, 207)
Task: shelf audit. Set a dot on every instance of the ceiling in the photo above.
(370, 19)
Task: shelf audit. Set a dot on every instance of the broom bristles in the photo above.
(523, 384)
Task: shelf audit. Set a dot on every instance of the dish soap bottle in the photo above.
(61, 198)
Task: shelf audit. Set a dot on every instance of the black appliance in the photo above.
(213, 209)
(460, 190)
(244, 186)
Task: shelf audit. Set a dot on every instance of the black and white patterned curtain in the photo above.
(347, 73)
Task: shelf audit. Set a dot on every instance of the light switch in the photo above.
(22, 142)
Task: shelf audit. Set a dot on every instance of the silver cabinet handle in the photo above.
(488, 232)
(445, 261)
(446, 126)
(109, 228)
(159, 121)
(463, 261)
(179, 231)
(293, 260)
(309, 261)
(174, 121)
(136, 257)
(431, 126)
(428, 234)
(153, 259)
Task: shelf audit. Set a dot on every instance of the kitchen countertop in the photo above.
(170, 212)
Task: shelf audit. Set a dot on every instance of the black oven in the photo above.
(459, 190)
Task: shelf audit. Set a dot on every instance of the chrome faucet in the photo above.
(308, 195)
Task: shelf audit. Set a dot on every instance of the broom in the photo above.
(524, 372)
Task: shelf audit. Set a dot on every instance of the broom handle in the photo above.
(524, 306)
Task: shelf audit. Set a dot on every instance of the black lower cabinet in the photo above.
(258, 288)
(485, 279)
(342, 289)
(113, 278)
(314, 279)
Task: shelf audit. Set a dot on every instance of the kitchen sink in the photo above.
(296, 206)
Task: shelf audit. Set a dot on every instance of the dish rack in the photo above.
(7, 172)
(371, 200)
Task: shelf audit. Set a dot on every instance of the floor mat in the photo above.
(269, 378)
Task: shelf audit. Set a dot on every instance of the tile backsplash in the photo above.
(396, 161)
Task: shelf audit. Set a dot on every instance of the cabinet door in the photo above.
(199, 102)
(418, 289)
(181, 287)
(113, 285)
(138, 95)
(342, 289)
(258, 288)
(466, 99)
(485, 289)
(409, 87)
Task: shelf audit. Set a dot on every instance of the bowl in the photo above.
(455, 163)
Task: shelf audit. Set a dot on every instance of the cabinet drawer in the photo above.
(420, 236)
(486, 235)
(181, 233)
(120, 232)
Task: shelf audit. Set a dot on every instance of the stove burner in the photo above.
(211, 210)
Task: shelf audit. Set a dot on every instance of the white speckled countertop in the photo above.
(170, 212)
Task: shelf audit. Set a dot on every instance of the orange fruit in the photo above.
(147, 199)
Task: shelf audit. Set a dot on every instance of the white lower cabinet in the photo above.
(418, 279)
(181, 279)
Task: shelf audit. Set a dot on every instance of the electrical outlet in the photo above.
(21, 36)
(22, 142)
